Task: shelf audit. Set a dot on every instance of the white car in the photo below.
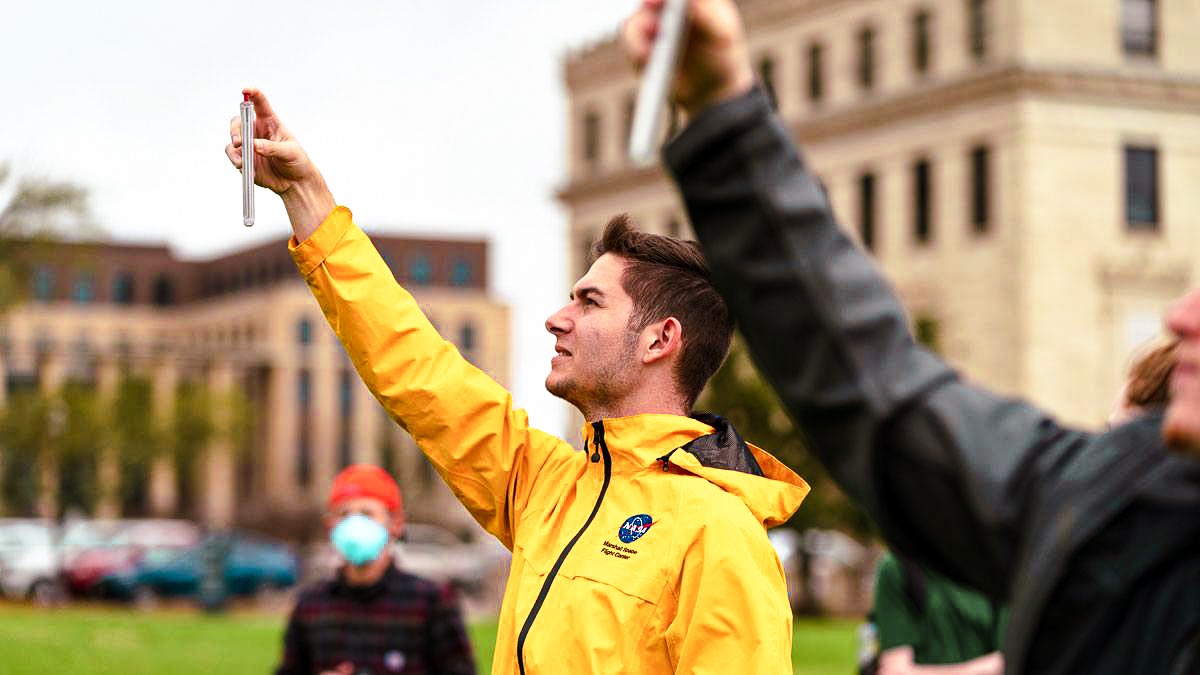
(29, 560)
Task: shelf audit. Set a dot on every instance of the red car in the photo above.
(93, 550)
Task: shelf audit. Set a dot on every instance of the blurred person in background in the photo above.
(928, 625)
(647, 552)
(1091, 539)
(373, 618)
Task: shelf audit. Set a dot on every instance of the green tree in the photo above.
(34, 213)
(24, 426)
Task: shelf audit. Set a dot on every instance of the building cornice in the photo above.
(1119, 88)
(1146, 90)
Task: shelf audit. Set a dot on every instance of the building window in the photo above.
(466, 337)
(927, 331)
(766, 74)
(591, 137)
(461, 272)
(1139, 27)
(43, 284)
(164, 291)
(866, 210)
(977, 28)
(1141, 189)
(921, 42)
(84, 289)
(420, 272)
(304, 331)
(122, 291)
(980, 182)
(866, 58)
(922, 203)
(816, 72)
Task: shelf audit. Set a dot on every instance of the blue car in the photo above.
(247, 565)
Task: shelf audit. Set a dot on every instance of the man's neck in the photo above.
(368, 574)
(632, 405)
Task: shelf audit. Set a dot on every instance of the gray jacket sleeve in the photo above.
(948, 471)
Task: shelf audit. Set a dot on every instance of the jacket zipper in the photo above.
(598, 447)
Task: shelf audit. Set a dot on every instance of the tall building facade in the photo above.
(1022, 171)
(246, 327)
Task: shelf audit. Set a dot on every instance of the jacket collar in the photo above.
(708, 447)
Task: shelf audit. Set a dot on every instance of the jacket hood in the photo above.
(709, 447)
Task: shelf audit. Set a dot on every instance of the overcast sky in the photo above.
(426, 116)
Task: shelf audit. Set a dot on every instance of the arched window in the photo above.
(43, 284)
(420, 272)
(461, 272)
(122, 289)
(164, 291)
(83, 291)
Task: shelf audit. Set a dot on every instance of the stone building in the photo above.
(245, 324)
(1023, 171)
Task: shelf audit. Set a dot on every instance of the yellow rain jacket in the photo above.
(629, 557)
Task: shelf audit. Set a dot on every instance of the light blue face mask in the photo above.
(359, 539)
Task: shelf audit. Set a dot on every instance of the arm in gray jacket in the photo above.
(948, 471)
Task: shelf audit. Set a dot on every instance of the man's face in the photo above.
(596, 353)
(1182, 425)
(370, 507)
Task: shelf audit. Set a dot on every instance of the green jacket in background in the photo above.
(942, 621)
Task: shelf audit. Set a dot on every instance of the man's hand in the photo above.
(715, 64)
(282, 166)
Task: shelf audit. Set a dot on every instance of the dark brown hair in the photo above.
(1150, 377)
(668, 277)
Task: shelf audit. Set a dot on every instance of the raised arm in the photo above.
(463, 420)
(948, 471)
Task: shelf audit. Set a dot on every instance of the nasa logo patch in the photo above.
(634, 528)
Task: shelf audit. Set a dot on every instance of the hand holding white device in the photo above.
(656, 82)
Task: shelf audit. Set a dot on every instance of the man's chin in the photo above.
(1181, 429)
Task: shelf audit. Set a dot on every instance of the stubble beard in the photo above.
(606, 385)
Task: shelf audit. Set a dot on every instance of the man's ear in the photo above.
(662, 339)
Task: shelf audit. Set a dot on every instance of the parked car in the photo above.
(29, 560)
(94, 549)
(249, 564)
(437, 554)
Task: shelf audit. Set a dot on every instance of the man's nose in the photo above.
(558, 323)
(1184, 318)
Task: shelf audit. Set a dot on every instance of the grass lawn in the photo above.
(100, 639)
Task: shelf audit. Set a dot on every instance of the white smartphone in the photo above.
(646, 131)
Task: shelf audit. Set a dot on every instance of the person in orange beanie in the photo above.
(373, 618)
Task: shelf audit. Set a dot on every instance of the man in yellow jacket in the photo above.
(647, 552)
